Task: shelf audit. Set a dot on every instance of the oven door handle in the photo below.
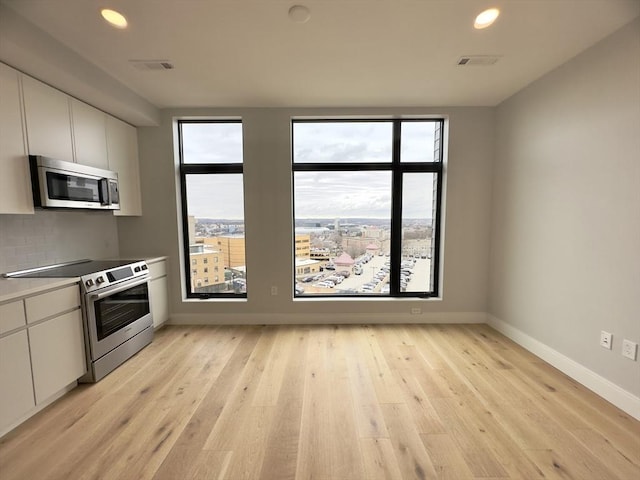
(118, 289)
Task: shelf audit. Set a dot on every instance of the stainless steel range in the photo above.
(115, 304)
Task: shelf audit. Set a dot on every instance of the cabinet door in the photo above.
(159, 301)
(48, 121)
(16, 392)
(57, 353)
(89, 134)
(15, 182)
(122, 153)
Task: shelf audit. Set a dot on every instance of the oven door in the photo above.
(116, 314)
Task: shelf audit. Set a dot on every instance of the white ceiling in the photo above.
(248, 53)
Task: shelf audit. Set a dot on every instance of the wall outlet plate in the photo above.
(605, 339)
(629, 349)
(416, 311)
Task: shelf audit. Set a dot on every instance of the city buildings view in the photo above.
(339, 257)
(349, 181)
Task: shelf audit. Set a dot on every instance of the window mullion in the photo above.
(396, 210)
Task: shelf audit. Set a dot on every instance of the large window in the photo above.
(212, 207)
(367, 194)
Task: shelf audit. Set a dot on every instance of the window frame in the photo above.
(397, 169)
(185, 169)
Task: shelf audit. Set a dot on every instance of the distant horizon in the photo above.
(318, 219)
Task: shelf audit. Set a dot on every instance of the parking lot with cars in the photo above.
(369, 275)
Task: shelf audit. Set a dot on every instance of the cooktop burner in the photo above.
(94, 274)
(71, 269)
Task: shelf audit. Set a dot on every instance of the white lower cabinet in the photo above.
(158, 292)
(57, 353)
(159, 301)
(16, 398)
(41, 351)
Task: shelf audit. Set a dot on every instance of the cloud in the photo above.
(215, 196)
(212, 142)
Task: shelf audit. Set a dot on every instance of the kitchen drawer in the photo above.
(11, 316)
(50, 304)
(158, 269)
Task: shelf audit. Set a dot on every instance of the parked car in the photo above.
(299, 289)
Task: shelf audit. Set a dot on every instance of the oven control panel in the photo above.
(98, 280)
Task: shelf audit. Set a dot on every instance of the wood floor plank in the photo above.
(272, 376)
(346, 458)
(446, 458)
(379, 459)
(281, 455)
(314, 449)
(469, 437)
(368, 414)
(199, 427)
(225, 432)
(210, 465)
(327, 403)
(425, 418)
(381, 377)
(250, 446)
(413, 460)
(602, 448)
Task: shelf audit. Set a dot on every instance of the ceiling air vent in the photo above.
(478, 60)
(152, 64)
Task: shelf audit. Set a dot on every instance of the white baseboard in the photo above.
(324, 319)
(611, 392)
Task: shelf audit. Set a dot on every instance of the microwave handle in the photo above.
(111, 291)
(104, 191)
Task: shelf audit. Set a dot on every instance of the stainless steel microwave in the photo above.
(60, 184)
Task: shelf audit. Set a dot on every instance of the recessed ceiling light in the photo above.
(114, 18)
(299, 14)
(486, 18)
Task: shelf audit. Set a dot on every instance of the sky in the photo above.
(327, 195)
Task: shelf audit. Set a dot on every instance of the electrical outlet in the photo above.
(605, 340)
(274, 290)
(416, 311)
(629, 349)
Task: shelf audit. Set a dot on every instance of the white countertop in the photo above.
(15, 288)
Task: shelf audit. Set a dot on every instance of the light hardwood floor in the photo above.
(327, 403)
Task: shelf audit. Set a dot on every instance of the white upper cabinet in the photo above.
(122, 153)
(15, 183)
(36, 119)
(89, 134)
(48, 120)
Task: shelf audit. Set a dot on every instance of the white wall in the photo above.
(565, 240)
(269, 222)
(49, 237)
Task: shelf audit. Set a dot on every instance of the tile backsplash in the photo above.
(49, 237)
